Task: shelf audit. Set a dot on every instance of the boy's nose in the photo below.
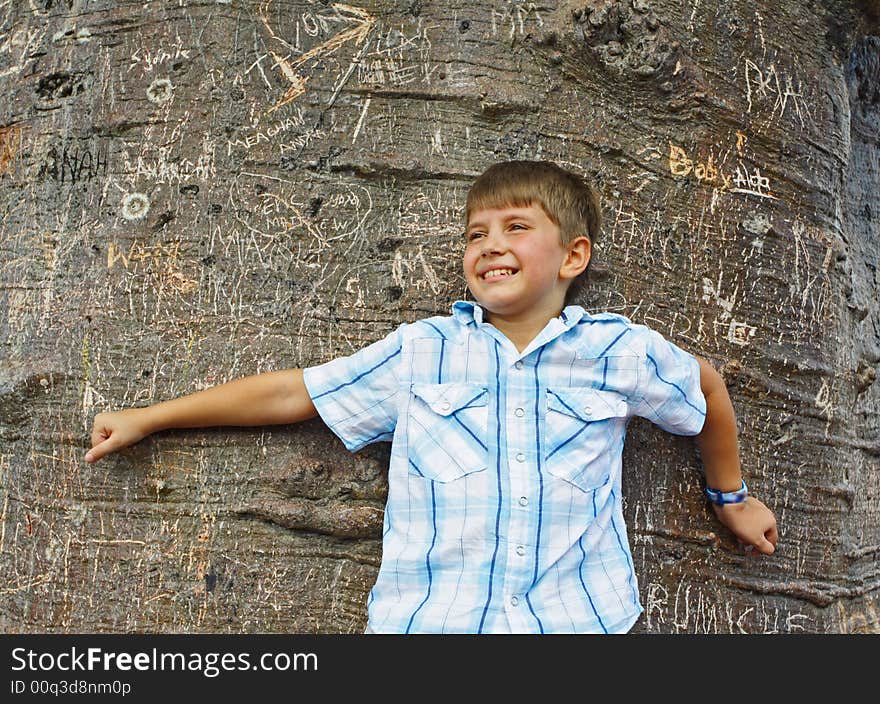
(491, 245)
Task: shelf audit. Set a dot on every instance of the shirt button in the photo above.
(518, 365)
(520, 550)
(446, 406)
(588, 410)
(523, 501)
(514, 601)
(520, 457)
(519, 413)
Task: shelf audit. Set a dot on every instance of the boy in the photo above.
(507, 422)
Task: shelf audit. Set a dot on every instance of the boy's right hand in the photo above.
(115, 430)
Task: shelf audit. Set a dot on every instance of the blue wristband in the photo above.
(728, 497)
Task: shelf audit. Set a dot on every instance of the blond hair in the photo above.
(568, 200)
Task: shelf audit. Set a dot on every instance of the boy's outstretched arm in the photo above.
(751, 521)
(261, 399)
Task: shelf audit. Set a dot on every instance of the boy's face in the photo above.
(515, 262)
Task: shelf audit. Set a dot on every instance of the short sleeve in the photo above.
(357, 396)
(669, 392)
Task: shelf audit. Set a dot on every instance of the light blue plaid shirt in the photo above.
(504, 508)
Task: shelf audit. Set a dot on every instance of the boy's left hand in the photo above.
(752, 522)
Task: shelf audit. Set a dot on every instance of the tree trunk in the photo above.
(197, 190)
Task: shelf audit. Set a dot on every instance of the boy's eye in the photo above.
(471, 236)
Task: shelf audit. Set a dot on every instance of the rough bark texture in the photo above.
(192, 191)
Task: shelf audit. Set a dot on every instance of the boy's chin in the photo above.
(500, 302)
(496, 306)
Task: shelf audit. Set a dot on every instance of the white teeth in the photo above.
(497, 272)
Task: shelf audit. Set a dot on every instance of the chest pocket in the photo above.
(581, 427)
(446, 430)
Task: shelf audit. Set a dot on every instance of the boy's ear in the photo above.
(579, 251)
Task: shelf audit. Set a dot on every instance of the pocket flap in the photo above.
(446, 399)
(586, 404)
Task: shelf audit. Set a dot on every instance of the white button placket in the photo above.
(519, 417)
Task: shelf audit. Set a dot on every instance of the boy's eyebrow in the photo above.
(508, 218)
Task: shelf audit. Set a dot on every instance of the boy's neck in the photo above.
(521, 329)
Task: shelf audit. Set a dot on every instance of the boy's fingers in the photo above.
(99, 435)
(765, 546)
(99, 451)
(762, 545)
(772, 535)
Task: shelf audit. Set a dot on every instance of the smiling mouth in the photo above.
(497, 274)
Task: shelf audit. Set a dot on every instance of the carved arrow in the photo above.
(364, 22)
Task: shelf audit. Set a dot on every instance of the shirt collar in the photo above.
(467, 312)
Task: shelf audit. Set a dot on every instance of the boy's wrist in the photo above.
(151, 419)
(724, 498)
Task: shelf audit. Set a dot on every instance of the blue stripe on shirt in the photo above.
(440, 363)
(573, 412)
(581, 569)
(584, 585)
(613, 342)
(498, 471)
(428, 556)
(565, 442)
(359, 376)
(439, 332)
(602, 560)
(470, 432)
(680, 390)
(632, 572)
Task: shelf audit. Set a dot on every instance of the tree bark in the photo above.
(193, 191)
